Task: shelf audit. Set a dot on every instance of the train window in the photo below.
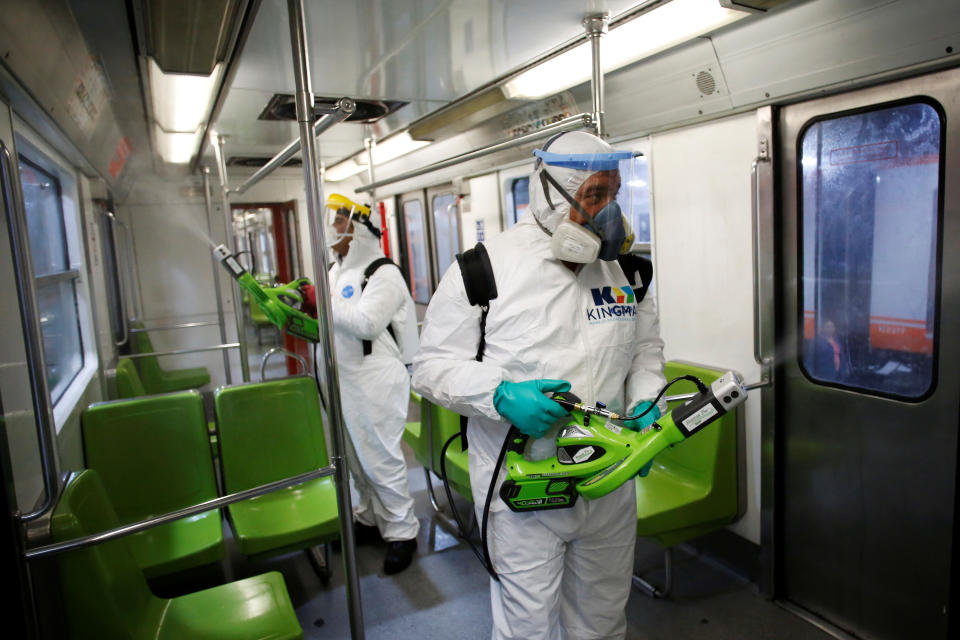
(869, 202)
(416, 237)
(446, 224)
(56, 276)
(519, 199)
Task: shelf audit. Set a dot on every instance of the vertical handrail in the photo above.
(208, 208)
(33, 338)
(231, 242)
(311, 177)
(596, 27)
(124, 322)
(758, 290)
(131, 272)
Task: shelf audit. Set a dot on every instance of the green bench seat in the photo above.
(106, 595)
(156, 379)
(692, 487)
(153, 456)
(128, 380)
(269, 431)
(443, 424)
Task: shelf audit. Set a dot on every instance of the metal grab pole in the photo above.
(232, 243)
(311, 175)
(216, 275)
(596, 26)
(567, 124)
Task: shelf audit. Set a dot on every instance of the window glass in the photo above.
(416, 251)
(41, 197)
(519, 200)
(447, 227)
(634, 196)
(869, 215)
(60, 325)
(56, 283)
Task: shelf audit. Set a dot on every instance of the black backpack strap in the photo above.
(480, 287)
(632, 267)
(367, 273)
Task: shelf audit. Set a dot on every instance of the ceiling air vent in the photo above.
(256, 162)
(282, 107)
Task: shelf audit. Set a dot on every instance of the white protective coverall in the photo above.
(375, 389)
(564, 573)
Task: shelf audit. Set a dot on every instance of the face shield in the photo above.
(591, 187)
(340, 212)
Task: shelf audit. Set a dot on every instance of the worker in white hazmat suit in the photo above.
(565, 317)
(374, 328)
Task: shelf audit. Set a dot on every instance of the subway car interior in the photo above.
(174, 456)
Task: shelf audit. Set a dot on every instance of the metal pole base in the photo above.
(652, 590)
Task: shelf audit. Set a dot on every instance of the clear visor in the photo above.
(603, 201)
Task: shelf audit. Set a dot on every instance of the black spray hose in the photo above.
(453, 508)
(484, 555)
(702, 388)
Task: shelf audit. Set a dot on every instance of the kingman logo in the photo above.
(612, 295)
(612, 302)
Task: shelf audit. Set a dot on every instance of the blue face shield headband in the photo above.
(608, 222)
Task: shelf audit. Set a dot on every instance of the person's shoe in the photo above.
(399, 555)
(366, 534)
(362, 534)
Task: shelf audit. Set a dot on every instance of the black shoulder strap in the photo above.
(367, 273)
(480, 287)
(635, 265)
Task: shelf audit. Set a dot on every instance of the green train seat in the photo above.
(128, 380)
(106, 595)
(416, 436)
(153, 456)
(693, 488)
(156, 379)
(269, 431)
(444, 424)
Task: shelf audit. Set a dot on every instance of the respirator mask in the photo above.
(596, 226)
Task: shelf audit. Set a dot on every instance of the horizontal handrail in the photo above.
(176, 352)
(338, 113)
(567, 124)
(216, 503)
(185, 325)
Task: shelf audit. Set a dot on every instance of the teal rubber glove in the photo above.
(525, 406)
(643, 421)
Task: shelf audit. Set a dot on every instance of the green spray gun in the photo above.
(595, 455)
(276, 302)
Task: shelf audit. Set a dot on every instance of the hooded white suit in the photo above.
(563, 573)
(375, 389)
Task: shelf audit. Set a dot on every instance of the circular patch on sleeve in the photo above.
(347, 291)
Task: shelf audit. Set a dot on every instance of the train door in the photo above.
(868, 344)
(444, 227)
(416, 246)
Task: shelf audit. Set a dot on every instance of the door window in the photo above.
(870, 202)
(416, 238)
(56, 280)
(447, 226)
